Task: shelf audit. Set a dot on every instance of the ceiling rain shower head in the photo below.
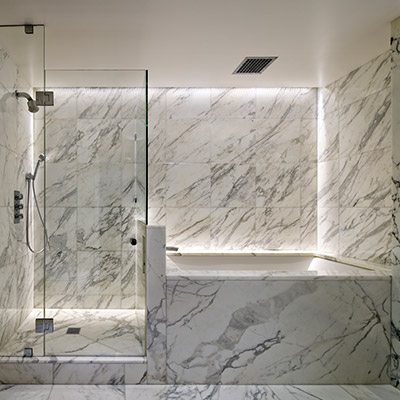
(32, 106)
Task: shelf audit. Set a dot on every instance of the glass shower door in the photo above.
(96, 210)
(21, 78)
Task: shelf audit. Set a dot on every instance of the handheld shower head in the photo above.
(31, 176)
(32, 106)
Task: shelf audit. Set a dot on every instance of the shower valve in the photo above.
(18, 196)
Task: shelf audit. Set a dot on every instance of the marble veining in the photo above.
(199, 392)
(218, 336)
(239, 149)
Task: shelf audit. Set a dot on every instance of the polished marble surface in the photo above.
(282, 331)
(103, 332)
(197, 392)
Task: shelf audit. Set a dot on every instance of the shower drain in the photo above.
(73, 331)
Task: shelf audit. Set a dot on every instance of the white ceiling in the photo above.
(199, 43)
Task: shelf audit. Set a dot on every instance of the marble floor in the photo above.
(103, 333)
(200, 392)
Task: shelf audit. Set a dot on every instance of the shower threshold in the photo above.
(103, 333)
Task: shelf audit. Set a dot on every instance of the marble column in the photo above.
(156, 305)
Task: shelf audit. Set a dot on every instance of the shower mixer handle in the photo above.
(18, 196)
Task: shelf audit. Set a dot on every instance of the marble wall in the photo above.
(354, 164)
(16, 263)
(234, 169)
(324, 331)
(95, 150)
(396, 202)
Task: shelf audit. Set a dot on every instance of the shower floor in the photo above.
(102, 333)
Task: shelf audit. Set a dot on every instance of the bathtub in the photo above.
(275, 319)
(258, 265)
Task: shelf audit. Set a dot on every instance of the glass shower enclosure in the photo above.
(87, 276)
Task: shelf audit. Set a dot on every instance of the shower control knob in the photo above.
(19, 206)
(133, 241)
(18, 216)
(18, 195)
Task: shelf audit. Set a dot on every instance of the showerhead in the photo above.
(31, 176)
(32, 106)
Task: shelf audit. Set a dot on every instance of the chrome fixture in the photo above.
(31, 184)
(18, 196)
(32, 106)
(172, 248)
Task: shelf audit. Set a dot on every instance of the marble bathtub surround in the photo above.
(220, 157)
(95, 144)
(354, 164)
(280, 332)
(16, 145)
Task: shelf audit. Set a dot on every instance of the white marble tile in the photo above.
(366, 234)
(87, 392)
(308, 228)
(187, 103)
(233, 141)
(61, 139)
(278, 185)
(360, 392)
(157, 216)
(26, 373)
(328, 136)
(305, 392)
(286, 102)
(99, 140)
(384, 391)
(133, 102)
(98, 103)
(156, 140)
(8, 166)
(65, 103)
(188, 227)
(157, 184)
(8, 70)
(328, 98)
(278, 140)
(218, 336)
(25, 392)
(155, 392)
(89, 374)
(244, 392)
(365, 180)
(156, 305)
(233, 103)
(188, 140)
(99, 272)
(278, 228)
(366, 124)
(99, 185)
(135, 374)
(8, 119)
(369, 78)
(233, 185)
(99, 228)
(232, 228)
(328, 184)
(328, 230)
(188, 185)
(308, 140)
(308, 184)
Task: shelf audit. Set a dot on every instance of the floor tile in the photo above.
(161, 392)
(25, 392)
(87, 392)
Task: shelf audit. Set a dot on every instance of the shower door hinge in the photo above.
(45, 98)
(44, 325)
